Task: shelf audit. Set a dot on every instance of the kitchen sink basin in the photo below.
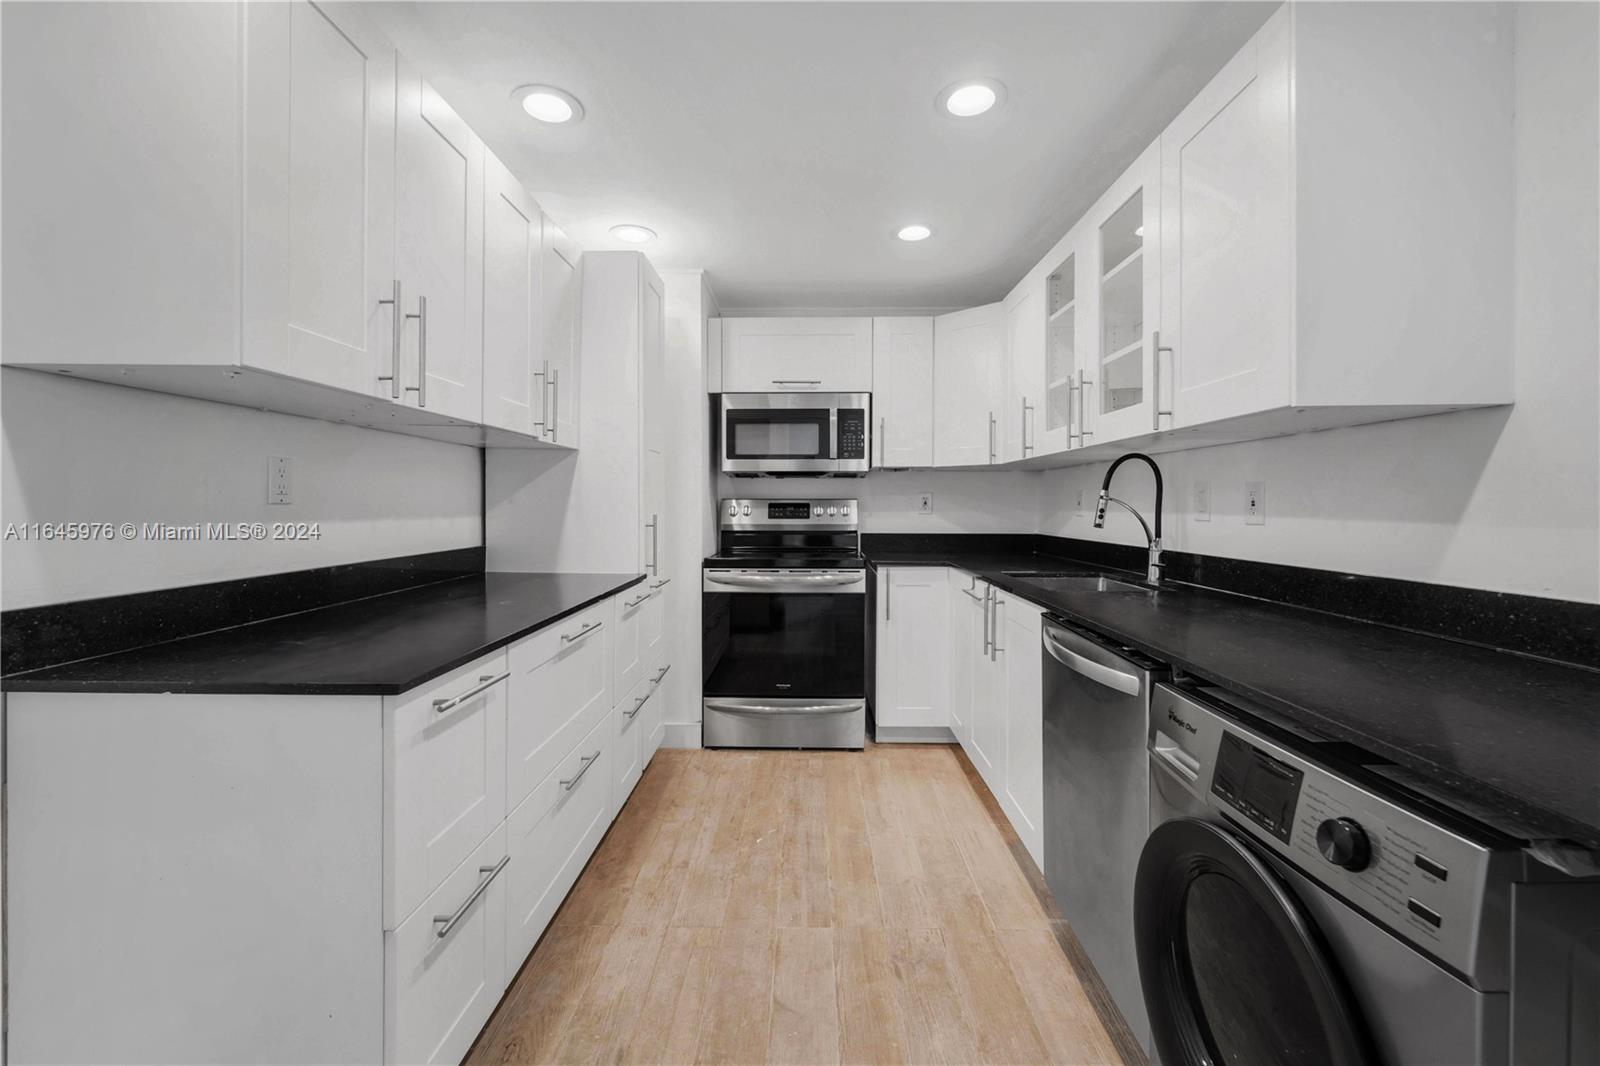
(1079, 583)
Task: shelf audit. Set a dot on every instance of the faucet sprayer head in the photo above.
(1100, 510)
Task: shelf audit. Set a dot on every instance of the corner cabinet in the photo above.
(313, 243)
(902, 391)
(416, 846)
(968, 386)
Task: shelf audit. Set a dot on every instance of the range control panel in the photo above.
(743, 514)
(852, 433)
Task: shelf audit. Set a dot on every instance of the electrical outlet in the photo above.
(1255, 503)
(1202, 501)
(280, 488)
(925, 503)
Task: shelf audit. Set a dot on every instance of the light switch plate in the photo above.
(925, 503)
(1255, 503)
(1202, 501)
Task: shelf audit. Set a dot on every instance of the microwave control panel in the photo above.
(852, 433)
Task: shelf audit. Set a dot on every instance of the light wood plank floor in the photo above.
(807, 907)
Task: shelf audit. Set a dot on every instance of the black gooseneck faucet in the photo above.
(1153, 571)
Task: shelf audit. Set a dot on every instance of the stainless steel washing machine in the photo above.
(1287, 910)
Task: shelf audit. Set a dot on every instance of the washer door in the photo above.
(1233, 972)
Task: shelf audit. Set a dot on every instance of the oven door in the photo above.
(784, 634)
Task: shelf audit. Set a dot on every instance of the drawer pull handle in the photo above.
(638, 705)
(568, 638)
(658, 584)
(569, 783)
(447, 922)
(630, 604)
(662, 673)
(484, 681)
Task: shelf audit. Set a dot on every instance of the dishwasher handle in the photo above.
(1087, 667)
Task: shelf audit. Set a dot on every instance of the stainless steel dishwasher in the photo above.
(1097, 798)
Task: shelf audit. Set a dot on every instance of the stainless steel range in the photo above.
(784, 639)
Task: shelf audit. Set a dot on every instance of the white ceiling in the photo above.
(780, 145)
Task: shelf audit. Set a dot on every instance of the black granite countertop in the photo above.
(379, 646)
(1518, 735)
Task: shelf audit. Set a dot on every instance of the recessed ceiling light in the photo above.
(549, 104)
(633, 234)
(966, 99)
(914, 232)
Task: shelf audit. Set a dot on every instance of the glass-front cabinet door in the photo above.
(1062, 419)
(1119, 380)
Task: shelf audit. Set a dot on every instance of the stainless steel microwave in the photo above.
(777, 433)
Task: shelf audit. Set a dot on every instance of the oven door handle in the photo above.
(787, 582)
(757, 707)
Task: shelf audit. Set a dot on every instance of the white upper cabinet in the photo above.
(968, 385)
(1316, 262)
(1025, 370)
(1065, 314)
(558, 372)
(319, 145)
(439, 235)
(797, 354)
(902, 391)
(512, 307)
(1125, 235)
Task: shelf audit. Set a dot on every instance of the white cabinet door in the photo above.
(629, 729)
(552, 833)
(1025, 352)
(987, 749)
(1228, 242)
(797, 354)
(319, 197)
(1125, 231)
(558, 371)
(445, 967)
(968, 385)
(913, 680)
(444, 778)
(439, 241)
(1023, 795)
(658, 711)
(560, 681)
(965, 650)
(1066, 312)
(902, 390)
(512, 257)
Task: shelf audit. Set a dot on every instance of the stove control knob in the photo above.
(816, 512)
(746, 510)
(832, 511)
(1344, 843)
(733, 510)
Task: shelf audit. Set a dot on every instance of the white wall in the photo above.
(1505, 499)
(83, 451)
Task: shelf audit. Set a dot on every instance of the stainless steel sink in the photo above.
(1079, 583)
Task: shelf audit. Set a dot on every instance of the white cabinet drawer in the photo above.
(784, 354)
(444, 778)
(631, 724)
(445, 967)
(560, 677)
(552, 834)
(632, 611)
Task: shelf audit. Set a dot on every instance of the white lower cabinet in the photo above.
(552, 833)
(628, 725)
(445, 967)
(1022, 664)
(628, 644)
(913, 678)
(560, 679)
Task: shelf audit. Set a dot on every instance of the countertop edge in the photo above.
(21, 682)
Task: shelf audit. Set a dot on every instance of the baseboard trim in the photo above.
(913, 734)
(682, 735)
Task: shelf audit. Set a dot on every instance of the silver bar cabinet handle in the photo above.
(1026, 407)
(1084, 432)
(661, 673)
(568, 638)
(448, 922)
(638, 705)
(1155, 380)
(991, 436)
(988, 591)
(421, 387)
(655, 545)
(888, 584)
(994, 627)
(795, 381)
(393, 376)
(542, 376)
(554, 426)
(631, 604)
(570, 783)
(485, 681)
(654, 585)
(883, 442)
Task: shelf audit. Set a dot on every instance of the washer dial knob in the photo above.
(1344, 843)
